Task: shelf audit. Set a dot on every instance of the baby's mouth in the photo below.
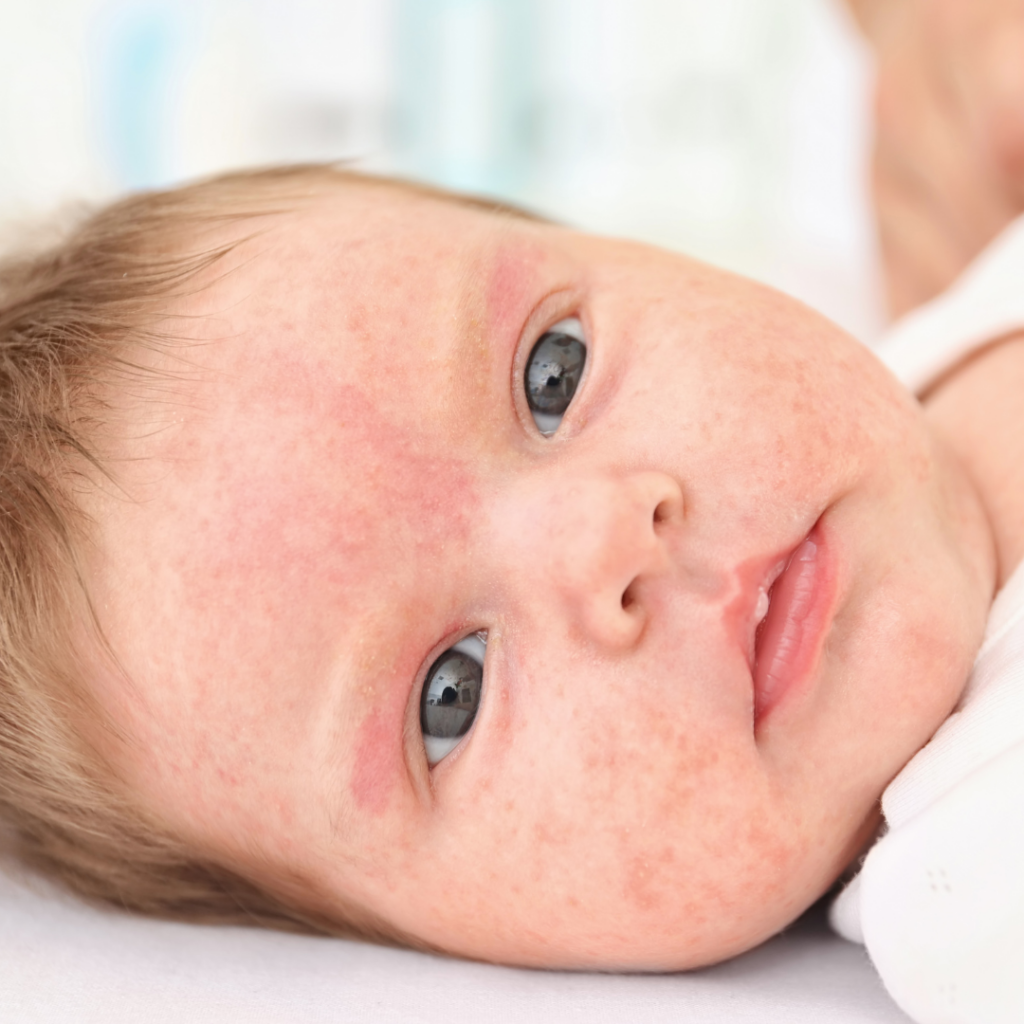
(792, 613)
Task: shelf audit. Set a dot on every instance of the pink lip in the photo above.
(790, 637)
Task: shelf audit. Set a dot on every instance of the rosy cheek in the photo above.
(374, 770)
(303, 551)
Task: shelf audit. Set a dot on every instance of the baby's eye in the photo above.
(553, 373)
(451, 696)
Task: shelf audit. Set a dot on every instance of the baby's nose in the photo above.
(587, 545)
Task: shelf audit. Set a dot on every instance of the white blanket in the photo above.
(64, 963)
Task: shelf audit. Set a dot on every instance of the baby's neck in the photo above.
(978, 411)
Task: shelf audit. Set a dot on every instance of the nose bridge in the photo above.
(585, 538)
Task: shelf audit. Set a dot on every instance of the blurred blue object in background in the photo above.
(735, 130)
(466, 97)
(139, 49)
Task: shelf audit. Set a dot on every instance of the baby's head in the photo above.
(340, 432)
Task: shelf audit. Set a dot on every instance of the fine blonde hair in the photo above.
(69, 314)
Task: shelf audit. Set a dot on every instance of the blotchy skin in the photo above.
(344, 480)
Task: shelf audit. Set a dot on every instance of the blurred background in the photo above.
(736, 130)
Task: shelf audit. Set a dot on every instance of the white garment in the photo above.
(939, 901)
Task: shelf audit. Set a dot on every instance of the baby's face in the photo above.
(344, 479)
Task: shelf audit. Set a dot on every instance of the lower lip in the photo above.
(792, 634)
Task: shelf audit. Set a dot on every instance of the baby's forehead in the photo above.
(365, 210)
(372, 244)
(407, 300)
(380, 270)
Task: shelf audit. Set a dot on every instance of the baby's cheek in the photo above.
(635, 832)
(374, 771)
(281, 537)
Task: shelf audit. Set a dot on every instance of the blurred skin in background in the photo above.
(949, 134)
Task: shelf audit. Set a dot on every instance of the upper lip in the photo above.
(790, 641)
(775, 567)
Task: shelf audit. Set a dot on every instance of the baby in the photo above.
(379, 561)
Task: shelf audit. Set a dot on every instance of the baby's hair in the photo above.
(69, 317)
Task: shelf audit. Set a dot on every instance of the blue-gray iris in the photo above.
(451, 695)
(553, 372)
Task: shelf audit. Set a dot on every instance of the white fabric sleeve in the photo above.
(942, 902)
(844, 914)
(985, 304)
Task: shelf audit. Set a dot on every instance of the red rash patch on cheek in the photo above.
(374, 772)
(336, 488)
(313, 514)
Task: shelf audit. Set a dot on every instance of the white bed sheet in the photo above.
(64, 963)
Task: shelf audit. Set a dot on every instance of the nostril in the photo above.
(662, 512)
(628, 598)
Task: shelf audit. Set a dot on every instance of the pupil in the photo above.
(451, 695)
(553, 372)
